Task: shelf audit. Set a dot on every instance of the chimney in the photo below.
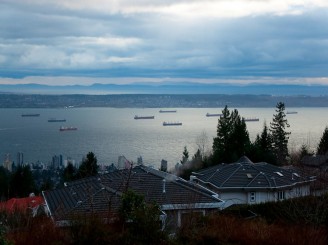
(164, 182)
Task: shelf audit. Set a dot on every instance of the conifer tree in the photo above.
(265, 140)
(185, 155)
(232, 139)
(220, 143)
(89, 166)
(323, 144)
(279, 134)
(22, 182)
(69, 173)
(239, 138)
(262, 147)
(4, 183)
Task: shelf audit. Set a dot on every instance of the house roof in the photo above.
(21, 204)
(102, 193)
(315, 161)
(248, 175)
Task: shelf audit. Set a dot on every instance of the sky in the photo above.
(59, 42)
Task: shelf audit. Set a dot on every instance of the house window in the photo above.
(298, 191)
(281, 195)
(252, 196)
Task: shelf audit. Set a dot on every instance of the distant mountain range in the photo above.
(169, 88)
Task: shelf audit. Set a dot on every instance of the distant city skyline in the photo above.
(71, 42)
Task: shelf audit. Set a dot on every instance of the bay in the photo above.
(111, 132)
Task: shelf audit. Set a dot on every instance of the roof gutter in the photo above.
(168, 207)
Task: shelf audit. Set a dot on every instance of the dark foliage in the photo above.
(22, 182)
(323, 144)
(4, 183)
(232, 139)
(279, 134)
(89, 166)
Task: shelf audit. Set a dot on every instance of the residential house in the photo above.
(101, 195)
(245, 182)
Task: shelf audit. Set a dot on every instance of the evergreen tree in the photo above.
(185, 155)
(89, 166)
(262, 147)
(220, 143)
(323, 144)
(197, 156)
(239, 139)
(304, 151)
(69, 173)
(4, 183)
(232, 139)
(265, 140)
(279, 134)
(22, 182)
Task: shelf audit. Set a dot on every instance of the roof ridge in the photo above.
(217, 166)
(240, 165)
(182, 183)
(197, 188)
(266, 175)
(217, 170)
(277, 169)
(78, 204)
(260, 173)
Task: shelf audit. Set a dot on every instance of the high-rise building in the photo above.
(20, 159)
(7, 163)
(57, 162)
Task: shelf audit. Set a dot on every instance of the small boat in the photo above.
(291, 112)
(31, 115)
(172, 124)
(251, 119)
(143, 117)
(56, 120)
(213, 114)
(62, 128)
(167, 111)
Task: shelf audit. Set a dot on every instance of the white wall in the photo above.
(255, 197)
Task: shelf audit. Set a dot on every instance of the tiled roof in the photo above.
(21, 204)
(102, 193)
(246, 174)
(315, 161)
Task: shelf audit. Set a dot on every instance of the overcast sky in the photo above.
(122, 41)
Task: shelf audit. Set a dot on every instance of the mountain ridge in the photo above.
(168, 88)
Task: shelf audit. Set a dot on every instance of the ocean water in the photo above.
(111, 132)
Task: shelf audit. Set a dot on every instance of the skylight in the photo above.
(249, 176)
(280, 174)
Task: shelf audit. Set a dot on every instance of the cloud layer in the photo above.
(194, 39)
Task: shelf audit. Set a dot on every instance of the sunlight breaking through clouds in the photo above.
(210, 39)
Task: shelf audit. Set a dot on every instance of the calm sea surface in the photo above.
(111, 132)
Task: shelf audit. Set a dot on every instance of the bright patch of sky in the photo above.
(122, 41)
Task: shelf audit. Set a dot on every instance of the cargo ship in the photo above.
(167, 111)
(144, 117)
(56, 120)
(62, 128)
(31, 115)
(291, 112)
(172, 123)
(213, 114)
(252, 119)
